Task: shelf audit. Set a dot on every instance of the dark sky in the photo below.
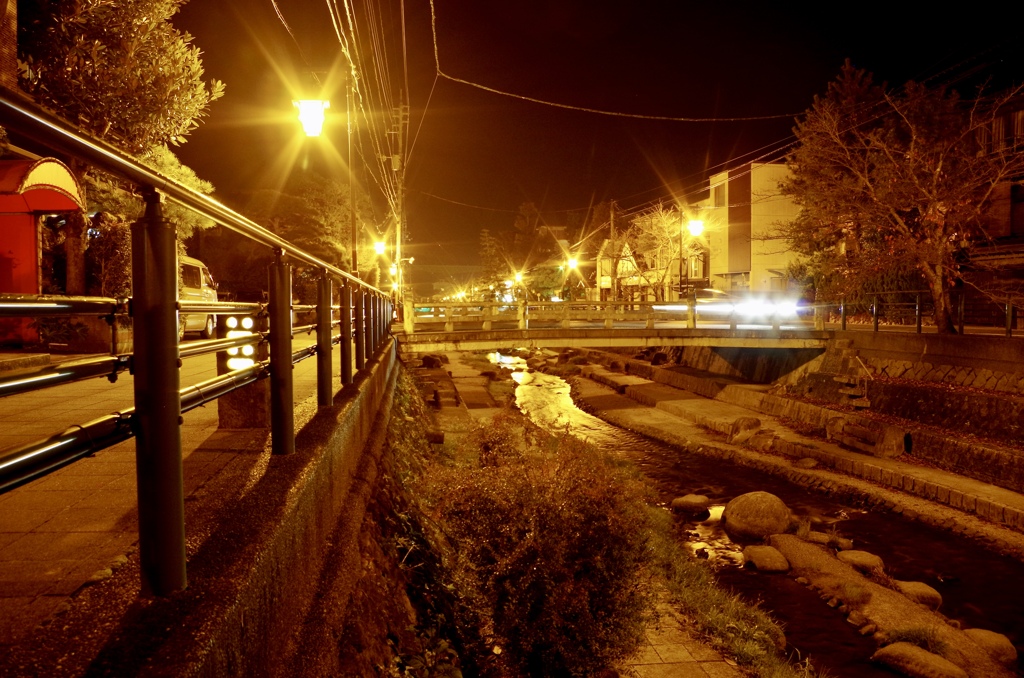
(477, 155)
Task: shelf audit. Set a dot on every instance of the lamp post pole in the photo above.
(682, 288)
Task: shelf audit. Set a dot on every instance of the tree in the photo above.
(496, 269)
(654, 239)
(892, 182)
(119, 71)
(313, 213)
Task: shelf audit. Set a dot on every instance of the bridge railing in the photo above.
(914, 309)
(363, 317)
(910, 310)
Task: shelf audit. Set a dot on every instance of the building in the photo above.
(741, 213)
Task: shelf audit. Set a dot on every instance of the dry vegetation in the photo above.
(506, 552)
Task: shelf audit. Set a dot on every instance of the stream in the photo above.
(979, 588)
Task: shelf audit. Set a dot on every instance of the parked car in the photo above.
(197, 285)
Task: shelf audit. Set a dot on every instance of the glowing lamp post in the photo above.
(695, 227)
(311, 115)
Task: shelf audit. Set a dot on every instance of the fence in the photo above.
(363, 318)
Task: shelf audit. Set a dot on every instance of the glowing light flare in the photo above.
(239, 363)
(379, 247)
(311, 115)
(695, 227)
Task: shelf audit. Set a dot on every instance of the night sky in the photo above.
(477, 155)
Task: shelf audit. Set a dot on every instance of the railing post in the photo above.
(346, 332)
(360, 328)
(488, 311)
(449, 319)
(691, 309)
(1009, 318)
(382, 315)
(324, 348)
(874, 313)
(282, 408)
(960, 312)
(566, 322)
(842, 313)
(819, 317)
(370, 336)
(157, 420)
(523, 318)
(917, 312)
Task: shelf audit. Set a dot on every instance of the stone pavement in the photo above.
(671, 652)
(72, 527)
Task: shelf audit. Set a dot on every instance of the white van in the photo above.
(197, 285)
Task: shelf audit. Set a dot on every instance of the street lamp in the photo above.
(311, 115)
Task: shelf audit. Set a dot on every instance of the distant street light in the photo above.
(379, 247)
(311, 115)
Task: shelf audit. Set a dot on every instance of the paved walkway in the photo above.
(671, 652)
(65, 530)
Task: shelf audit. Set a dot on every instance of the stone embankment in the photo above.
(810, 443)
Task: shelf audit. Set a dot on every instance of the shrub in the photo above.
(552, 552)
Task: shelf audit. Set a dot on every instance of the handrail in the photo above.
(64, 373)
(20, 305)
(155, 312)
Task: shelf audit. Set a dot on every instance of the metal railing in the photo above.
(911, 310)
(364, 316)
(914, 309)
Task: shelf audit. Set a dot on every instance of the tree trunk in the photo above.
(941, 301)
(75, 232)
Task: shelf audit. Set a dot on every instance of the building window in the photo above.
(719, 195)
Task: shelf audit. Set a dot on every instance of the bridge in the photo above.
(600, 337)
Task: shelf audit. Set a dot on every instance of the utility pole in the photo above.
(398, 167)
(615, 253)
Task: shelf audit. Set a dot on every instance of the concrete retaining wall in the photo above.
(280, 548)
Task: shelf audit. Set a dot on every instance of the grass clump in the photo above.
(736, 628)
(548, 557)
(925, 637)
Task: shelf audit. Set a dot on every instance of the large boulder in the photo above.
(860, 560)
(691, 504)
(755, 515)
(917, 662)
(765, 558)
(919, 592)
(995, 644)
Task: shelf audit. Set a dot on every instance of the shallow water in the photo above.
(979, 588)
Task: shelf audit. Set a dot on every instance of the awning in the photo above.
(45, 185)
